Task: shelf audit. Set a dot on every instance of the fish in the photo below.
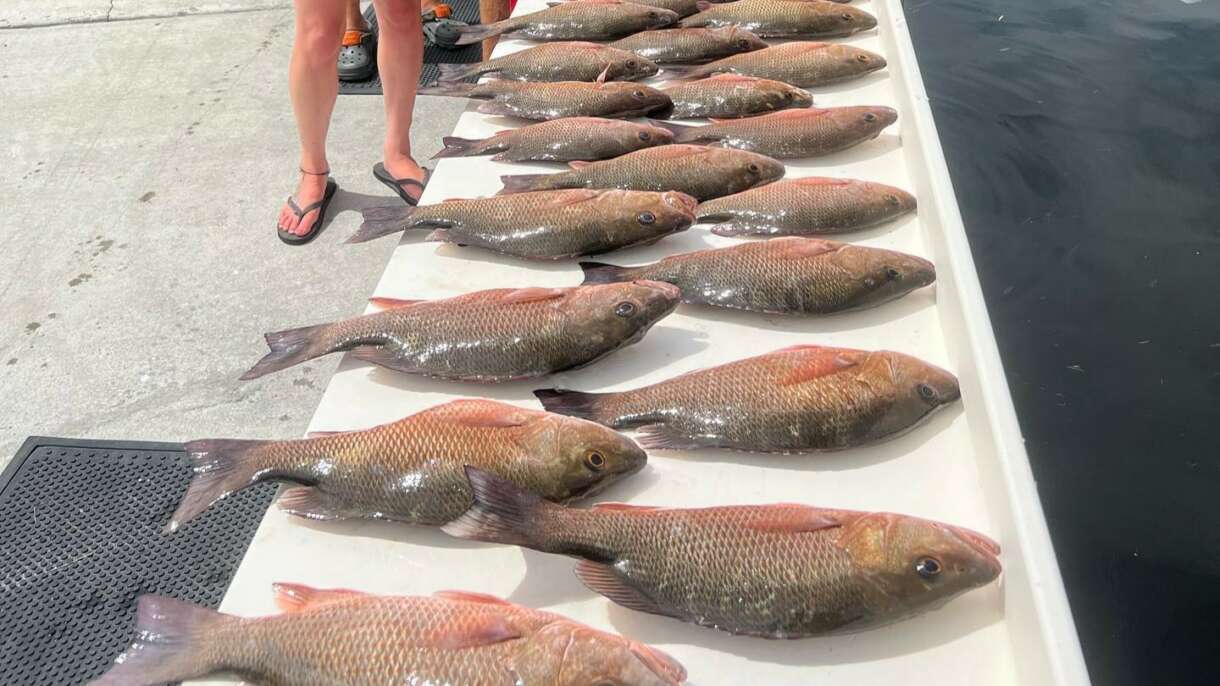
(807, 206)
(561, 140)
(577, 20)
(791, 133)
(682, 8)
(566, 61)
(411, 470)
(728, 96)
(496, 335)
(784, 18)
(698, 171)
(800, 399)
(324, 637)
(801, 63)
(782, 276)
(547, 225)
(690, 46)
(545, 101)
(783, 571)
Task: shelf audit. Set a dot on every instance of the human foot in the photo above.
(403, 174)
(310, 190)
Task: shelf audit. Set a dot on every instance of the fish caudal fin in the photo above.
(221, 466)
(460, 147)
(289, 348)
(381, 221)
(521, 183)
(573, 403)
(459, 71)
(600, 272)
(166, 648)
(478, 32)
(501, 512)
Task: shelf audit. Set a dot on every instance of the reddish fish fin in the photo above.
(799, 248)
(485, 413)
(822, 181)
(820, 362)
(296, 597)
(578, 164)
(793, 518)
(167, 646)
(601, 578)
(704, 5)
(601, 78)
(325, 434)
(483, 631)
(472, 597)
(391, 303)
(310, 503)
(532, 295)
(624, 507)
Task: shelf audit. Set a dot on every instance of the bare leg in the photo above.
(400, 55)
(490, 12)
(355, 20)
(313, 83)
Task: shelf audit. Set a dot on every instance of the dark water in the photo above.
(1084, 143)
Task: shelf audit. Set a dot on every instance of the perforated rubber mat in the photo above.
(80, 538)
(463, 10)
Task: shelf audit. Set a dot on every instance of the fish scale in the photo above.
(730, 96)
(783, 276)
(785, 18)
(794, 132)
(812, 205)
(800, 63)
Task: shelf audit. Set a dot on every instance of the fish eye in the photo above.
(595, 461)
(862, 58)
(638, 94)
(926, 392)
(631, 64)
(846, 16)
(927, 567)
(753, 168)
(647, 217)
(870, 117)
(743, 43)
(652, 15)
(893, 200)
(644, 135)
(787, 95)
(624, 309)
(892, 274)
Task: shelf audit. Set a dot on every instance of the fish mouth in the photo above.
(986, 547)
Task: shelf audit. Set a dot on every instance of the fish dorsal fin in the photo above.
(485, 414)
(578, 164)
(533, 295)
(624, 507)
(602, 579)
(794, 248)
(298, 597)
(820, 361)
(822, 181)
(793, 518)
(392, 303)
(472, 597)
(325, 434)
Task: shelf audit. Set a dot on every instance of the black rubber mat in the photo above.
(80, 538)
(463, 10)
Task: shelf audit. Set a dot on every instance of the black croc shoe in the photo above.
(358, 56)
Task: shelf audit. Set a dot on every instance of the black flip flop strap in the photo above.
(414, 182)
(301, 212)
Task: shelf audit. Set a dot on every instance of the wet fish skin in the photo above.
(690, 46)
(805, 207)
(584, 20)
(682, 8)
(487, 336)
(332, 636)
(729, 96)
(547, 225)
(563, 61)
(804, 398)
(698, 171)
(782, 276)
(546, 101)
(802, 64)
(412, 470)
(794, 133)
(785, 18)
(562, 140)
(772, 571)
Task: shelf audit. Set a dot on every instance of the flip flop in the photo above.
(300, 212)
(396, 185)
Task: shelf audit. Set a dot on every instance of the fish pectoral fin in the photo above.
(665, 437)
(483, 631)
(533, 294)
(296, 597)
(601, 578)
(310, 503)
(820, 361)
(472, 597)
(795, 518)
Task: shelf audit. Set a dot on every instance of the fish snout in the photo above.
(682, 202)
(661, 18)
(885, 116)
(986, 553)
(666, 293)
(801, 98)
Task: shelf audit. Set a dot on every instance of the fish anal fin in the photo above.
(297, 597)
(310, 503)
(601, 578)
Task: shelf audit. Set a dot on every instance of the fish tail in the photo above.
(460, 147)
(600, 272)
(589, 406)
(681, 132)
(500, 513)
(520, 183)
(167, 644)
(289, 348)
(477, 32)
(453, 90)
(381, 221)
(458, 71)
(221, 467)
